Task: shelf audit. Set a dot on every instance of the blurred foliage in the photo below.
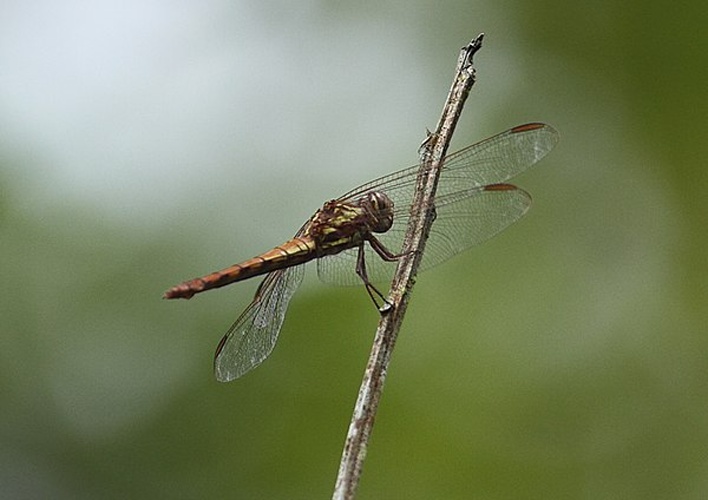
(564, 359)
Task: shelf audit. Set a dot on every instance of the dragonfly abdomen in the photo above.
(291, 253)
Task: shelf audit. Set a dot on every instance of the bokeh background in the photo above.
(145, 143)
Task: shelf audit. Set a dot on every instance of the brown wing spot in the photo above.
(527, 127)
(500, 187)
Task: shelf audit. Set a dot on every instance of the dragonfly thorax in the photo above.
(379, 210)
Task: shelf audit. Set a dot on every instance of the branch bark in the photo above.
(432, 152)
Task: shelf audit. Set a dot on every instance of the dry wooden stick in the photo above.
(433, 151)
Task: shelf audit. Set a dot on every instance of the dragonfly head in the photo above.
(379, 208)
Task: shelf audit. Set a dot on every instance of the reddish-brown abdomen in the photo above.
(293, 252)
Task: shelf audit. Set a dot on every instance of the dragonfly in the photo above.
(358, 237)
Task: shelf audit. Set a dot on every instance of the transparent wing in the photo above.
(464, 219)
(469, 218)
(467, 213)
(491, 161)
(251, 339)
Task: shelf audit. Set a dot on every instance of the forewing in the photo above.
(251, 339)
(491, 161)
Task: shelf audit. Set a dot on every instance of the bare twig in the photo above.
(422, 215)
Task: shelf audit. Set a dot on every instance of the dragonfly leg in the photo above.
(381, 249)
(370, 288)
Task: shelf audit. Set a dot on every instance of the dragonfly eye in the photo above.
(380, 209)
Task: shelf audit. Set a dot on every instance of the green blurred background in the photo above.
(144, 143)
